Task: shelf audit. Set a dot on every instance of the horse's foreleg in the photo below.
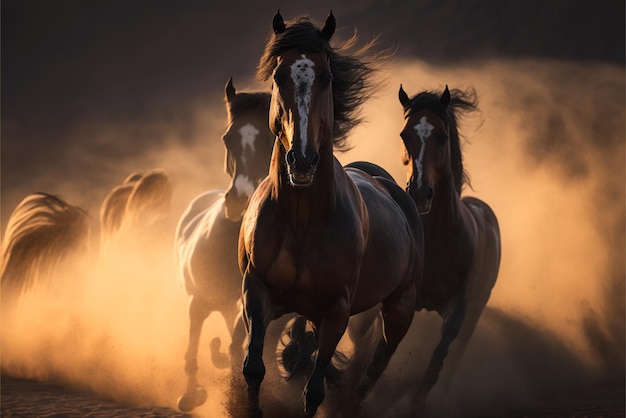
(195, 395)
(257, 310)
(238, 336)
(397, 314)
(329, 332)
(450, 329)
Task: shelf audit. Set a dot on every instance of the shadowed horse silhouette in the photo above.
(135, 210)
(207, 234)
(44, 233)
(317, 239)
(461, 235)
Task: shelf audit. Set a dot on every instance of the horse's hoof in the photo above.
(190, 400)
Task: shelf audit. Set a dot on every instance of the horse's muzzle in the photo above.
(422, 196)
(301, 168)
(235, 206)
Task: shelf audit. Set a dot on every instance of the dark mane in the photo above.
(352, 69)
(461, 102)
(242, 102)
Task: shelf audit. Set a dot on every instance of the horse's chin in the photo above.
(300, 180)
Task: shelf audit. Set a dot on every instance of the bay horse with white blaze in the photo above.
(317, 239)
(207, 233)
(461, 234)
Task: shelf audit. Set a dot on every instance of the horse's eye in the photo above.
(279, 79)
(442, 138)
(326, 79)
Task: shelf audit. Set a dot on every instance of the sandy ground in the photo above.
(27, 398)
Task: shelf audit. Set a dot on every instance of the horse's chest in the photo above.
(447, 267)
(303, 269)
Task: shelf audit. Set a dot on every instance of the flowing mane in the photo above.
(352, 69)
(461, 102)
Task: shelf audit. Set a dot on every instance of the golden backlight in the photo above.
(546, 152)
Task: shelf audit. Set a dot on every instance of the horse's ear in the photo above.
(329, 27)
(404, 98)
(278, 24)
(445, 98)
(229, 90)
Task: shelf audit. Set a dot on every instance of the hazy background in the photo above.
(93, 90)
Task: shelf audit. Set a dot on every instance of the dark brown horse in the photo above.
(208, 231)
(461, 235)
(317, 239)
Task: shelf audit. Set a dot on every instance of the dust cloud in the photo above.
(546, 152)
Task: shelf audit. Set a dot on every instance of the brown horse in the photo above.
(317, 239)
(208, 231)
(461, 235)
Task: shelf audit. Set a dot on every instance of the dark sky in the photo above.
(72, 62)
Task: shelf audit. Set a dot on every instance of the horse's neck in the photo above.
(310, 204)
(446, 207)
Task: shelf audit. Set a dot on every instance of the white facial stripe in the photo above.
(248, 135)
(303, 76)
(423, 130)
(244, 186)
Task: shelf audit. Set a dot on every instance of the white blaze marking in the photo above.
(303, 76)
(244, 186)
(248, 135)
(423, 130)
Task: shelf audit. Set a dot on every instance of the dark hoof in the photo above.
(190, 400)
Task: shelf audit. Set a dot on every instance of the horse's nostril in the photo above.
(316, 159)
(291, 157)
(430, 193)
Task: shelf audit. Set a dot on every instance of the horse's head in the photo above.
(426, 153)
(301, 110)
(248, 143)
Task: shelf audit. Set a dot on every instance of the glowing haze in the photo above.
(546, 152)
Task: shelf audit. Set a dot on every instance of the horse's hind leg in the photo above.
(329, 331)
(195, 395)
(397, 314)
(238, 337)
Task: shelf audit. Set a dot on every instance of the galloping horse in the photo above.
(207, 233)
(135, 208)
(461, 235)
(44, 233)
(317, 239)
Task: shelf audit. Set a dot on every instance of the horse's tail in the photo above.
(295, 352)
(43, 232)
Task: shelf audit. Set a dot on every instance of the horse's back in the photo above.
(198, 205)
(395, 245)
